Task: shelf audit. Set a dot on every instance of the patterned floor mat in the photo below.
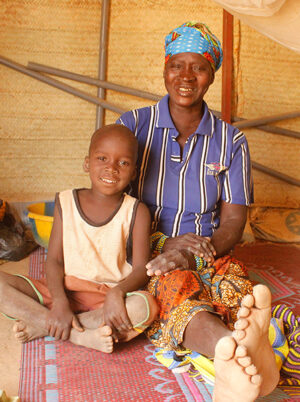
(60, 371)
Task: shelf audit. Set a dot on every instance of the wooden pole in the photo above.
(227, 66)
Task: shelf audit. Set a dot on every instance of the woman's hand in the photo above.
(168, 261)
(198, 245)
(115, 313)
(61, 320)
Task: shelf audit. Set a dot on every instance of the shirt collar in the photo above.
(164, 119)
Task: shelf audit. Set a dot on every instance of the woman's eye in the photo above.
(175, 66)
(197, 68)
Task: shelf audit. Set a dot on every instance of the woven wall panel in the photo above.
(270, 75)
(273, 192)
(44, 132)
(136, 43)
(269, 84)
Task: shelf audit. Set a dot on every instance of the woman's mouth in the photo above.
(185, 91)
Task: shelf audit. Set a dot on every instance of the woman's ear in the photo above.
(86, 164)
(212, 77)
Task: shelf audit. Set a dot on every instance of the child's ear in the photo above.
(134, 174)
(86, 164)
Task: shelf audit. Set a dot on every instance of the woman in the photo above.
(195, 176)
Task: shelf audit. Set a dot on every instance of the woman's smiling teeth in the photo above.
(185, 91)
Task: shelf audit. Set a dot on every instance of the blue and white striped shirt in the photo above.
(184, 193)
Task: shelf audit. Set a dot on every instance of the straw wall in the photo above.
(44, 132)
(267, 83)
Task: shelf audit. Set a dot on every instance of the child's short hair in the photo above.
(115, 128)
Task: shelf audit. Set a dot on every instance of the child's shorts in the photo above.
(83, 295)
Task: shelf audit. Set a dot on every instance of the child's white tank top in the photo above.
(97, 253)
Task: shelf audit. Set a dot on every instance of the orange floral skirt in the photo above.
(183, 293)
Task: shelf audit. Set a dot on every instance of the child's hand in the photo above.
(61, 320)
(115, 313)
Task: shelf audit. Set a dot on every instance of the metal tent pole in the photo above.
(102, 59)
(267, 119)
(116, 109)
(275, 173)
(92, 81)
(60, 85)
(259, 123)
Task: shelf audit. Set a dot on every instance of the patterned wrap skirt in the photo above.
(182, 294)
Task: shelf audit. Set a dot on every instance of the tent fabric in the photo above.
(277, 19)
(263, 8)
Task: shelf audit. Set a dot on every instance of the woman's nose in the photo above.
(187, 74)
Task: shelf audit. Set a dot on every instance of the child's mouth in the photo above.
(109, 181)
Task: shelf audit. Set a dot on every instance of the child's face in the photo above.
(111, 162)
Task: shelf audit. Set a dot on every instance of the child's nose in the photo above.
(112, 165)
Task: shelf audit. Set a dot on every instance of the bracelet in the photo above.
(154, 238)
(160, 243)
(200, 263)
(157, 241)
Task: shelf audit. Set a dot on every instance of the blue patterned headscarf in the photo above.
(194, 37)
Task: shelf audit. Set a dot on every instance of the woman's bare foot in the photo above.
(26, 332)
(236, 377)
(99, 339)
(252, 329)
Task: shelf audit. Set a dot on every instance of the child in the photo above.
(98, 249)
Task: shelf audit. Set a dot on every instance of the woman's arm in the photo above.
(233, 219)
(178, 252)
(115, 314)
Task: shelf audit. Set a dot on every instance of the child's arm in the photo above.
(60, 319)
(115, 315)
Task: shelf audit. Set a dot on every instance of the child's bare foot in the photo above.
(99, 339)
(252, 330)
(236, 377)
(25, 332)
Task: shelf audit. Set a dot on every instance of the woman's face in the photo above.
(187, 78)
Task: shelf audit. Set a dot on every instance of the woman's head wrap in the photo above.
(194, 37)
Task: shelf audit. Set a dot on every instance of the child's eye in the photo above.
(101, 158)
(124, 163)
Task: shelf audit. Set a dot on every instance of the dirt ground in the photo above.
(10, 349)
